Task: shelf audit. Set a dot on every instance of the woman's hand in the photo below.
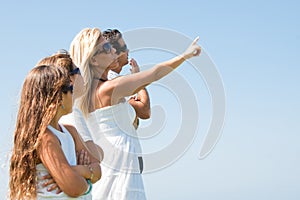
(134, 66)
(50, 184)
(83, 161)
(193, 50)
(83, 158)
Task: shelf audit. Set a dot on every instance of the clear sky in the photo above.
(255, 47)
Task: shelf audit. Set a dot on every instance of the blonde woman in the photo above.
(109, 117)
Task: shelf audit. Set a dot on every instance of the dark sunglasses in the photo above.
(106, 48)
(65, 89)
(75, 71)
(122, 49)
(118, 47)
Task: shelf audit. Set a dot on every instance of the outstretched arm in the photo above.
(131, 84)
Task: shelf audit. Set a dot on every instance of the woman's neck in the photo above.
(101, 74)
(54, 123)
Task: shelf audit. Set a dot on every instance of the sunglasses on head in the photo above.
(75, 71)
(62, 51)
(65, 89)
(112, 34)
(106, 48)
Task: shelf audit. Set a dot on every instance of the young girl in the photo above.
(42, 145)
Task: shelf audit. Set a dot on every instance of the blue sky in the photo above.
(255, 46)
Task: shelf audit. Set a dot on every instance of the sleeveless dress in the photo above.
(68, 147)
(112, 129)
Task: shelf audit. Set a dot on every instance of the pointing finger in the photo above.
(196, 40)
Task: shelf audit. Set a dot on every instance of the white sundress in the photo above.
(112, 129)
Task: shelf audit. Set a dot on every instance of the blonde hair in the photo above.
(82, 49)
(40, 97)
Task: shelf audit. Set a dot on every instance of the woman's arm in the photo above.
(140, 102)
(131, 84)
(53, 158)
(94, 150)
(76, 117)
(93, 170)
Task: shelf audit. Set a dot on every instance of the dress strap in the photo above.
(101, 79)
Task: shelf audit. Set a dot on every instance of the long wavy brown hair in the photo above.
(40, 97)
